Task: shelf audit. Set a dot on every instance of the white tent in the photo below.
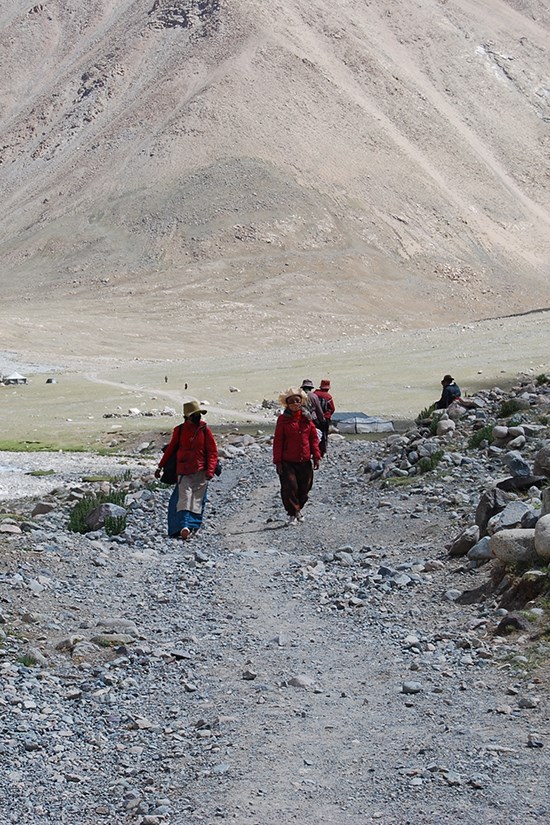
(15, 378)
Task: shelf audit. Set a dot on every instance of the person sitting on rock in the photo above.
(450, 393)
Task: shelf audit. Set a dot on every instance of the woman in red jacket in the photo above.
(294, 446)
(197, 456)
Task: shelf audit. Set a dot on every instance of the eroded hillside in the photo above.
(352, 162)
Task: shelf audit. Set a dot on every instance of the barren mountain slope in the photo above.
(248, 163)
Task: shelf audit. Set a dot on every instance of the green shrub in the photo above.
(424, 414)
(429, 463)
(81, 510)
(485, 434)
(541, 379)
(115, 525)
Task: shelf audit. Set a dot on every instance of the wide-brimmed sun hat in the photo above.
(325, 384)
(191, 407)
(291, 392)
(307, 384)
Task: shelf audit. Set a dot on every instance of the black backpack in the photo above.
(324, 403)
(170, 469)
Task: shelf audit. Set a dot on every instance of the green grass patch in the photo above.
(40, 473)
(541, 379)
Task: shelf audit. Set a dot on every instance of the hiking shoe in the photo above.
(185, 533)
(301, 517)
(292, 521)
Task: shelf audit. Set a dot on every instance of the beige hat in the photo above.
(289, 393)
(191, 407)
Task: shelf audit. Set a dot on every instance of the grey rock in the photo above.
(516, 463)
(541, 464)
(508, 518)
(542, 537)
(96, 519)
(514, 546)
(411, 688)
(41, 508)
(480, 551)
(491, 502)
(463, 543)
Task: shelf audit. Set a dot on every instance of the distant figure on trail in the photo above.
(165, 379)
(295, 446)
(450, 393)
(327, 405)
(313, 406)
(196, 459)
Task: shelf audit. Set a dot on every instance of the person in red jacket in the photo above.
(327, 404)
(295, 444)
(197, 456)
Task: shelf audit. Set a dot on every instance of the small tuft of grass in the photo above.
(509, 407)
(541, 379)
(115, 525)
(485, 434)
(40, 473)
(27, 659)
(429, 463)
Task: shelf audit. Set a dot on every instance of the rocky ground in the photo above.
(349, 670)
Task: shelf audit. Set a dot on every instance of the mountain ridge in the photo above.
(375, 161)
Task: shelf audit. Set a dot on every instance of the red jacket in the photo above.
(295, 439)
(196, 448)
(330, 408)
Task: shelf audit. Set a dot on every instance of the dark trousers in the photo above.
(296, 482)
(323, 441)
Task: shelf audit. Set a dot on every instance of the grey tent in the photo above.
(358, 422)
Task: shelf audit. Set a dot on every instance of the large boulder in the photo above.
(514, 546)
(542, 537)
(510, 517)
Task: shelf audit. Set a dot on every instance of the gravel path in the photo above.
(263, 674)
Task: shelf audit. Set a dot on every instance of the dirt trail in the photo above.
(346, 748)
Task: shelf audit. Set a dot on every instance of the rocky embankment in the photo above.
(386, 661)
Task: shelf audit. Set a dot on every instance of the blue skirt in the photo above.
(177, 520)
